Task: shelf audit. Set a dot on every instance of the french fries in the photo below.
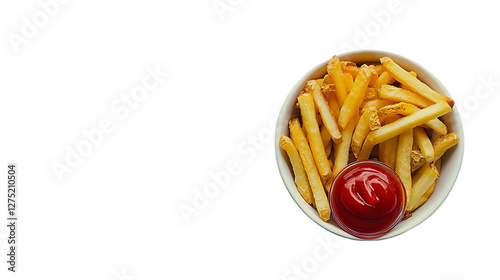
(417, 160)
(298, 169)
(443, 143)
(307, 111)
(413, 83)
(350, 67)
(326, 114)
(423, 143)
(379, 68)
(374, 76)
(383, 79)
(377, 103)
(342, 150)
(387, 151)
(327, 80)
(348, 81)
(406, 109)
(367, 111)
(351, 105)
(401, 95)
(335, 71)
(390, 130)
(299, 139)
(424, 178)
(414, 75)
(429, 191)
(403, 159)
(371, 93)
(368, 121)
(332, 101)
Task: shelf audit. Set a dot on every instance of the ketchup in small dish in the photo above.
(367, 199)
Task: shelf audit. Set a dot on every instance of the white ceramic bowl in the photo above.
(451, 161)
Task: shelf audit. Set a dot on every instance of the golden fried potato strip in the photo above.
(403, 159)
(401, 95)
(300, 141)
(390, 130)
(443, 143)
(308, 113)
(298, 168)
(335, 71)
(413, 83)
(424, 143)
(367, 122)
(351, 105)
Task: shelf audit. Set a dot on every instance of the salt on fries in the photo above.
(355, 108)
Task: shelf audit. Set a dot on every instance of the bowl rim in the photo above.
(457, 152)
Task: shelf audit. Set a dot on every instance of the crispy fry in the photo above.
(328, 150)
(389, 119)
(320, 82)
(417, 160)
(377, 103)
(374, 76)
(298, 169)
(328, 91)
(307, 110)
(414, 75)
(326, 115)
(437, 163)
(387, 151)
(371, 93)
(423, 198)
(435, 135)
(383, 79)
(423, 143)
(400, 95)
(325, 136)
(367, 122)
(327, 80)
(443, 143)
(406, 109)
(333, 103)
(351, 105)
(379, 68)
(413, 83)
(429, 191)
(403, 159)
(335, 71)
(342, 150)
(308, 86)
(390, 130)
(318, 191)
(350, 67)
(424, 178)
(348, 80)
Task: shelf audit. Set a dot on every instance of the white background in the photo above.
(117, 214)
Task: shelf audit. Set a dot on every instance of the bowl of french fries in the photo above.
(369, 105)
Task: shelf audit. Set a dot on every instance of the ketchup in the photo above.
(367, 199)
